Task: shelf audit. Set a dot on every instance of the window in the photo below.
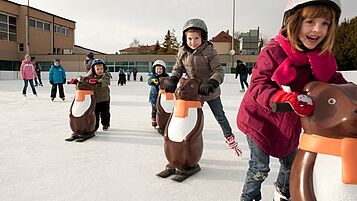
(46, 26)
(32, 22)
(21, 47)
(8, 28)
(39, 24)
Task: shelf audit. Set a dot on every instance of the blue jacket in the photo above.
(154, 91)
(57, 74)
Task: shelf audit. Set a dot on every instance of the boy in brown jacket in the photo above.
(199, 60)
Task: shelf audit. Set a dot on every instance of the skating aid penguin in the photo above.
(325, 167)
(165, 104)
(82, 116)
(183, 144)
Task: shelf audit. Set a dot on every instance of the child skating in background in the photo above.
(101, 80)
(28, 74)
(158, 70)
(300, 53)
(199, 60)
(57, 77)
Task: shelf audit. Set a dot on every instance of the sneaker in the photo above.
(153, 122)
(278, 195)
(63, 98)
(105, 128)
(52, 98)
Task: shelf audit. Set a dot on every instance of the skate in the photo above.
(82, 138)
(105, 128)
(72, 138)
(183, 174)
(278, 195)
(169, 170)
(153, 122)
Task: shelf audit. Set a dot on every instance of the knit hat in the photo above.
(90, 55)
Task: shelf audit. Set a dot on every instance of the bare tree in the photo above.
(135, 43)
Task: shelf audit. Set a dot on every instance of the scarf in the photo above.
(323, 66)
(346, 148)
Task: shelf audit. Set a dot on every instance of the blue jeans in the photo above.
(25, 87)
(217, 110)
(258, 171)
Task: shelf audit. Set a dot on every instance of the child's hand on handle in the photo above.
(302, 104)
(93, 81)
(232, 144)
(73, 81)
(208, 87)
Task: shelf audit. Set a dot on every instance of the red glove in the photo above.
(73, 81)
(302, 104)
(232, 144)
(93, 81)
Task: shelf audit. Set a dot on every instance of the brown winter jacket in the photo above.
(101, 90)
(202, 64)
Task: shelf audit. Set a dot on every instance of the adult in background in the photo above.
(243, 72)
(88, 63)
(38, 72)
(135, 72)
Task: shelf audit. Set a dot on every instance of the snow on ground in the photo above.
(120, 164)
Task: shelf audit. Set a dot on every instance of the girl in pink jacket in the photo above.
(28, 74)
(300, 53)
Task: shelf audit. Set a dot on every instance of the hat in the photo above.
(56, 60)
(90, 55)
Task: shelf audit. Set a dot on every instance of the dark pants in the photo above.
(54, 90)
(243, 80)
(134, 74)
(39, 80)
(102, 111)
(258, 171)
(217, 110)
(153, 110)
(25, 87)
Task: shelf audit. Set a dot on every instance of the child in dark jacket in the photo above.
(300, 53)
(101, 80)
(158, 70)
(199, 60)
(57, 77)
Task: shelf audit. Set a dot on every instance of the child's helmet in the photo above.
(293, 5)
(195, 23)
(97, 61)
(159, 62)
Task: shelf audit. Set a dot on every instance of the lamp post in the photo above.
(232, 51)
(27, 28)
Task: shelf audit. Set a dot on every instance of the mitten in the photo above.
(64, 81)
(73, 81)
(51, 82)
(208, 87)
(93, 81)
(171, 85)
(232, 144)
(302, 104)
(154, 81)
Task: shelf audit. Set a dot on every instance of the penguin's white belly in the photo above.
(79, 108)
(167, 105)
(327, 180)
(179, 128)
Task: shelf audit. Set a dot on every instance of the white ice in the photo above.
(120, 164)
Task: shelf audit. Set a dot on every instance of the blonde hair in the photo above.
(294, 22)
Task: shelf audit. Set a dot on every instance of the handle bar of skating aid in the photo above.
(282, 107)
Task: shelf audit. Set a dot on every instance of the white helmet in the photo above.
(293, 5)
(159, 62)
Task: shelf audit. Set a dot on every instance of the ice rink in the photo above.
(120, 164)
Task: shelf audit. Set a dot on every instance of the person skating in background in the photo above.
(243, 72)
(101, 80)
(57, 77)
(88, 63)
(128, 73)
(300, 53)
(38, 72)
(28, 74)
(158, 70)
(135, 72)
(199, 60)
(122, 78)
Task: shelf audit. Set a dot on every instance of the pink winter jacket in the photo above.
(27, 70)
(277, 134)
